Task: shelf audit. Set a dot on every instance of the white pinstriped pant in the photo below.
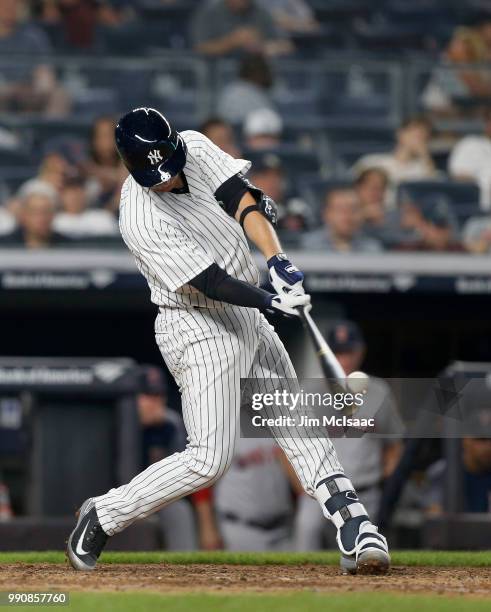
(208, 352)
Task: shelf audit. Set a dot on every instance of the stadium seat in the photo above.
(463, 197)
(429, 17)
(95, 102)
(391, 36)
(311, 45)
(341, 12)
(293, 160)
(11, 178)
(38, 130)
(14, 157)
(304, 103)
(166, 25)
(349, 106)
(347, 153)
(369, 132)
(290, 240)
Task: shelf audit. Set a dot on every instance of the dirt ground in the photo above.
(170, 578)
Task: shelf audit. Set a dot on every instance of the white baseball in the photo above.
(358, 382)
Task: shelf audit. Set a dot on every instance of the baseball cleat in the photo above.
(348, 564)
(87, 540)
(371, 553)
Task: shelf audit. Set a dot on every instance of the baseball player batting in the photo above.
(186, 213)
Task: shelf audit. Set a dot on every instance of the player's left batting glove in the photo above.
(290, 303)
(284, 276)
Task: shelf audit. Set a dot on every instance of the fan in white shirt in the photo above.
(7, 221)
(76, 221)
(471, 160)
(410, 160)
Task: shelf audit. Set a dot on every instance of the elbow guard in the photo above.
(264, 204)
(231, 192)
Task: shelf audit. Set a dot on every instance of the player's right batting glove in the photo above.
(284, 276)
(288, 303)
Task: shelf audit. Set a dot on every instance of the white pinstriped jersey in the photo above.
(174, 237)
(208, 346)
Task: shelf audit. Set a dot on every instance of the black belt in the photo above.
(266, 525)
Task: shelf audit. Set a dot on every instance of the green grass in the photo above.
(293, 602)
(410, 557)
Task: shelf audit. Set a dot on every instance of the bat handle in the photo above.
(323, 349)
(302, 313)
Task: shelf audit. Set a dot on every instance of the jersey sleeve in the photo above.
(215, 165)
(168, 253)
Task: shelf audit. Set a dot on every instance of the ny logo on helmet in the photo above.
(155, 157)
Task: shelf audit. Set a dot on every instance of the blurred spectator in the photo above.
(268, 175)
(9, 141)
(210, 537)
(410, 160)
(74, 20)
(221, 133)
(250, 516)
(456, 79)
(79, 21)
(35, 231)
(470, 160)
(342, 229)
(291, 15)
(27, 88)
(104, 169)
(295, 216)
(7, 221)
(368, 459)
(262, 129)
(163, 429)
(476, 460)
(6, 513)
(427, 225)
(483, 29)
(75, 220)
(62, 159)
(250, 92)
(227, 27)
(163, 434)
(476, 235)
(33, 186)
(53, 172)
(371, 187)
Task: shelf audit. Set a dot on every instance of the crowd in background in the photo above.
(73, 200)
(423, 184)
(259, 504)
(401, 195)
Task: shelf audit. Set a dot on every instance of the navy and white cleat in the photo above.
(370, 555)
(87, 540)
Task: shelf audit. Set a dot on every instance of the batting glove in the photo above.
(289, 303)
(284, 276)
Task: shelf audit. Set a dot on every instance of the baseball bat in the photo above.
(331, 367)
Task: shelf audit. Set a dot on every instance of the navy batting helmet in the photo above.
(151, 150)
